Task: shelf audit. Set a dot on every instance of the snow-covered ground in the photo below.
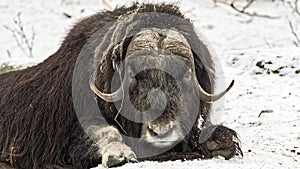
(259, 53)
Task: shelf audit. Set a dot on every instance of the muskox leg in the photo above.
(219, 141)
(111, 147)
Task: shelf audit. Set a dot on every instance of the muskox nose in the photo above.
(160, 131)
(157, 99)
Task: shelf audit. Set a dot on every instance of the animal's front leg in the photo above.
(111, 147)
(218, 140)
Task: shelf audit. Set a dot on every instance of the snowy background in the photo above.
(261, 54)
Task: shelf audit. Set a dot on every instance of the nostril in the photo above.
(152, 132)
(150, 126)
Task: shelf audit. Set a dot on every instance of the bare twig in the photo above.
(294, 32)
(11, 156)
(264, 111)
(21, 38)
(243, 10)
(296, 7)
(67, 15)
(16, 38)
(8, 53)
(268, 43)
(247, 5)
(222, 2)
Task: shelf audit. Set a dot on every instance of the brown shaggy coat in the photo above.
(38, 124)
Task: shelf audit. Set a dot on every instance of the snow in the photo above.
(258, 53)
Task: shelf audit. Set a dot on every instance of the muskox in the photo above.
(94, 100)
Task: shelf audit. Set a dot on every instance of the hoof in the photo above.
(117, 154)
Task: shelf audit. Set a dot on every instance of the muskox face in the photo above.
(160, 81)
(158, 94)
(160, 88)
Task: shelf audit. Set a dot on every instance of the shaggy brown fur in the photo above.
(39, 127)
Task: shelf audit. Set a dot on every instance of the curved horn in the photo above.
(213, 97)
(115, 96)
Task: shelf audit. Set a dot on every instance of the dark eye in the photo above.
(188, 75)
(131, 73)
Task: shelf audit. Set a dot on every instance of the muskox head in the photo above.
(159, 86)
